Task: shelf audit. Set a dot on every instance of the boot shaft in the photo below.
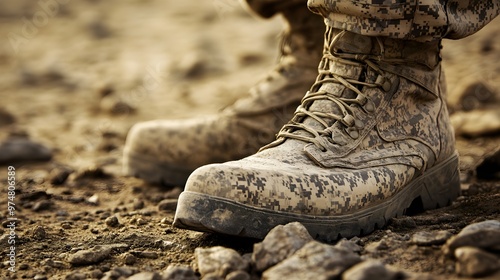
(374, 91)
(412, 60)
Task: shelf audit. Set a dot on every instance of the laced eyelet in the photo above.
(348, 120)
(384, 83)
(362, 99)
(369, 107)
(353, 132)
(387, 86)
(359, 124)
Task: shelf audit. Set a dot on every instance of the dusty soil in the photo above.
(78, 75)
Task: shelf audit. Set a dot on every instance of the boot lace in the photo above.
(345, 114)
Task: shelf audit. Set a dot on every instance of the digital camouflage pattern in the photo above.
(373, 131)
(422, 20)
(167, 151)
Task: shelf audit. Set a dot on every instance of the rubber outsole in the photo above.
(437, 187)
(153, 171)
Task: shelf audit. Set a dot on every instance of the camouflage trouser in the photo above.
(421, 20)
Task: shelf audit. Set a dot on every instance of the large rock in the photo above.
(145, 276)
(219, 261)
(313, 261)
(428, 238)
(474, 262)
(177, 272)
(369, 270)
(23, 150)
(280, 243)
(485, 235)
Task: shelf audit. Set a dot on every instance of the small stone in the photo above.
(145, 276)
(484, 235)
(146, 254)
(238, 275)
(111, 275)
(138, 204)
(104, 267)
(404, 222)
(169, 204)
(165, 244)
(94, 200)
(59, 175)
(128, 259)
(23, 266)
(177, 272)
(348, 245)
(280, 243)
(114, 106)
(89, 174)
(42, 205)
(429, 238)
(39, 233)
(96, 274)
(76, 276)
(219, 261)
(56, 264)
(376, 246)
(17, 149)
(474, 262)
(166, 221)
(66, 225)
(40, 277)
(112, 221)
(369, 270)
(125, 271)
(6, 117)
(313, 261)
(141, 221)
(118, 247)
(94, 255)
(34, 196)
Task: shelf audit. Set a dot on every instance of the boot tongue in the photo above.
(349, 43)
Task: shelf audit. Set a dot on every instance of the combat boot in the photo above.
(371, 138)
(167, 151)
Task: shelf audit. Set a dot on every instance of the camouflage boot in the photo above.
(167, 151)
(371, 137)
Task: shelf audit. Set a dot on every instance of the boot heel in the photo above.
(442, 185)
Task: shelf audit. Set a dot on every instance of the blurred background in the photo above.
(71, 71)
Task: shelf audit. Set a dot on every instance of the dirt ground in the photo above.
(75, 76)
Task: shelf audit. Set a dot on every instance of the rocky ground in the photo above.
(76, 75)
